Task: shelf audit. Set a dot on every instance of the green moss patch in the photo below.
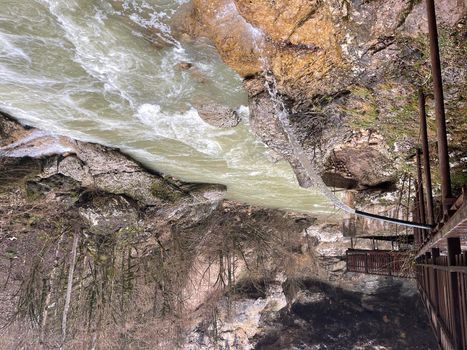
(165, 192)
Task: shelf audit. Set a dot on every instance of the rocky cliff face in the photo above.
(322, 316)
(134, 259)
(317, 308)
(348, 72)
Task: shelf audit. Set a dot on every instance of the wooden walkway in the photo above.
(453, 225)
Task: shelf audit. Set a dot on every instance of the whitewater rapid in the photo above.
(106, 71)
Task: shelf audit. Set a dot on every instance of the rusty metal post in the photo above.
(390, 263)
(454, 248)
(415, 214)
(435, 255)
(408, 203)
(429, 281)
(420, 232)
(421, 195)
(439, 106)
(426, 159)
(347, 260)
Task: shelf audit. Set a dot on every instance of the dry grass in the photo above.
(129, 281)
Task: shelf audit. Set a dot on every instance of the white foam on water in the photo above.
(187, 128)
(34, 135)
(9, 50)
(37, 151)
(9, 75)
(92, 44)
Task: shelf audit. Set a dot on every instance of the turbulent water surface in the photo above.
(106, 71)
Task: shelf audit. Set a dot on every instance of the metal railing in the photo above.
(380, 262)
(442, 282)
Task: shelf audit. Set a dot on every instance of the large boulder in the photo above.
(217, 115)
(363, 167)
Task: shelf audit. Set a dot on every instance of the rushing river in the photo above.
(106, 71)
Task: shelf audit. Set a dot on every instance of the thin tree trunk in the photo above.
(10, 266)
(53, 276)
(71, 272)
(100, 305)
(399, 203)
(81, 283)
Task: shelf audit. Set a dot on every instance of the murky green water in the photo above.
(106, 71)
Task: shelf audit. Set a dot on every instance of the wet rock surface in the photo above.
(9, 130)
(218, 115)
(365, 166)
(61, 162)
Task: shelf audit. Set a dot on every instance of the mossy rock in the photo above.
(37, 188)
(14, 171)
(363, 111)
(458, 181)
(165, 192)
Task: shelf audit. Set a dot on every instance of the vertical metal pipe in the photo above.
(454, 248)
(400, 202)
(435, 255)
(408, 202)
(416, 216)
(426, 159)
(421, 196)
(439, 106)
(428, 257)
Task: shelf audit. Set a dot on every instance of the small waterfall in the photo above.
(283, 116)
(259, 43)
